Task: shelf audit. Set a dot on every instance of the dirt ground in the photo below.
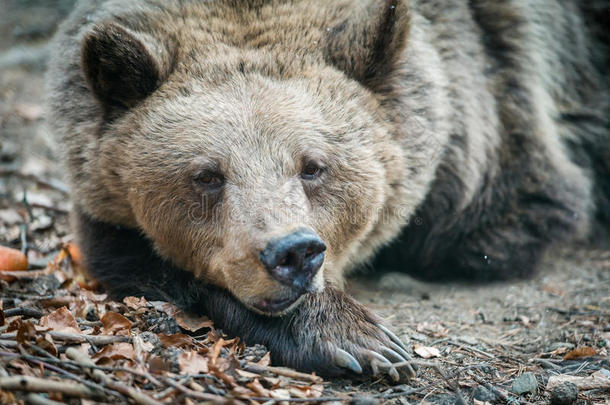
(475, 342)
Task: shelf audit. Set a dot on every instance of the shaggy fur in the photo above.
(469, 136)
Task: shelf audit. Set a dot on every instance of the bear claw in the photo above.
(345, 360)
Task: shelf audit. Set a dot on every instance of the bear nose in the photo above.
(294, 259)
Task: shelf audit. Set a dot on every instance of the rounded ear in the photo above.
(367, 45)
(120, 67)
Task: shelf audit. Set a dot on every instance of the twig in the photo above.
(472, 349)
(491, 388)
(194, 394)
(67, 374)
(286, 372)
(98, 375)
(35, 384)
(100, 340)
(27, 312)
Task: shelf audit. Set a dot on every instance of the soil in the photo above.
(481, 338)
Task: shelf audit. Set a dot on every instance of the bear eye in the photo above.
(210, 180)
(311, 171)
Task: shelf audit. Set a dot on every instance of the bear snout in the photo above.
(294, 259)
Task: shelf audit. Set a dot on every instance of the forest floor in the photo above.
(501, 343)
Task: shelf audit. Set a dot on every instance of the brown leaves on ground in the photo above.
(146, 348)
(60, 320)
(584, 351)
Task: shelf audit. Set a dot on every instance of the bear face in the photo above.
(259, 160)
(214, 157)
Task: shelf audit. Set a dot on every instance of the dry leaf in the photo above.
(265, 360)
(135, 303)
(61, 320)
(584, 351)
(258, 388)
(115, 351)
(192, 363)
(179, 340)
(426, 352)
(192, 322)
(26, 331)
(115, 324)
(47, 344)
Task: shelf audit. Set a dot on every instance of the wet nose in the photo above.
(294, 259)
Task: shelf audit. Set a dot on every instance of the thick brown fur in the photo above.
(466, 136)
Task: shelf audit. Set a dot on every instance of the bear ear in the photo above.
(119, 65)
(368, 47)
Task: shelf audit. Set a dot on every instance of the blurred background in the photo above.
(33, 198)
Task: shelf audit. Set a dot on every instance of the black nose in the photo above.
(294, 260)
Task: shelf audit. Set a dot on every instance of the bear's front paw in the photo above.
(334, 335)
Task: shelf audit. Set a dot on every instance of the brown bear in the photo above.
(238, 157)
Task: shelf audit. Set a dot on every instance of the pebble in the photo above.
(524, 383)
(564, 394)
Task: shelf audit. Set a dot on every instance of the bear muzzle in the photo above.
(293, 260)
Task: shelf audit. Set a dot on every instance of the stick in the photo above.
(194, 394)
(286, 372)
(28, 312)
(35, 384)
(98, 375)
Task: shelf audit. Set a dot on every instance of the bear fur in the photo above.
(462, 138)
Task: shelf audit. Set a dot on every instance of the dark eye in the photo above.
(311, 171)
(210, 180)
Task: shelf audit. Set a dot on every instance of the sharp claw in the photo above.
(394, 374)
(392, 336)
(398, 358)
(379, 357)
(392, 355)
(345, 360)
(412, 367)
(380, 362)
(400, 351)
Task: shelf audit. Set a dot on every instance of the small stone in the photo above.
(564, 394)
(483, 394)
(524, 383)
(364, 400)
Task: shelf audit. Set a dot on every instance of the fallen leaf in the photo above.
(47, 344)
(135, 303)
(192, 322)
(265, 360)
(12, 259)
(115, 351)
(584, 351)
(115, 324)
(61, 320)
(426, 352)
(179, 340)
(26, 331)
(191, 362)
(258, 388)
